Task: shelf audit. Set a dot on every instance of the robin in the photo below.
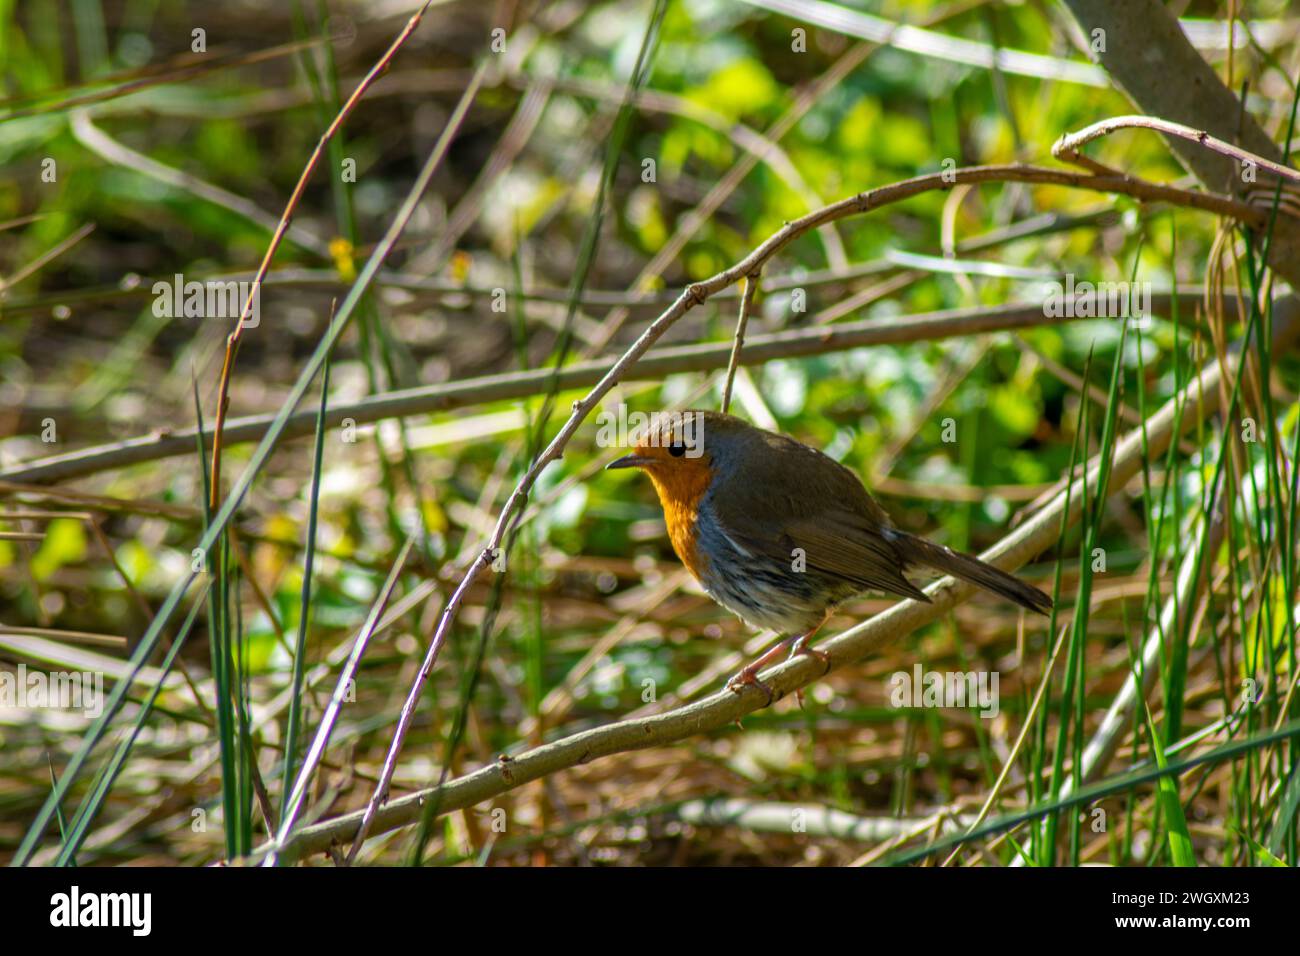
(780, 534)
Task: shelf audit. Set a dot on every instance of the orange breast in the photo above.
(680, 487)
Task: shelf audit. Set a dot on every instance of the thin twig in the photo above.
(749, 285)
(232, 341)
(170, 71)
(1067, 147)
(66, 637)
(316, 752)
(49, 255)
(815, 819)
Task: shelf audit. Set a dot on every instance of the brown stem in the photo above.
(1067, 147)
(232, 340)
(749, 285)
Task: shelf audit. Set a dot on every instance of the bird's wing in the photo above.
(824, 511)
(839, 545)
(798, 481)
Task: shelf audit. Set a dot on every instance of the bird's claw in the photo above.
(749, 678)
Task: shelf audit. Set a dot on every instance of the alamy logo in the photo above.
(134, 910)
(207, 300)
(1100, 300)
(952, 689)
(66, 690)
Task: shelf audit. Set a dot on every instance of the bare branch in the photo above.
(702, 357)
(750, 286)
(1067, 147)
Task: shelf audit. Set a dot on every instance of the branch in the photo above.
(1067, 147)
(698, 293)
(703, 357)
(855, 644)
(814, 820)
(1152, 61)
(754, 263)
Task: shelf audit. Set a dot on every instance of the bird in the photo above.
(780, 534)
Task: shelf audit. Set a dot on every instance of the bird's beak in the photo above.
(629, 461)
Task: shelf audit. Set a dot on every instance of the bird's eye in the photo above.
(677, 450)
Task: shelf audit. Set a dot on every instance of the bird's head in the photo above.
(674, 451)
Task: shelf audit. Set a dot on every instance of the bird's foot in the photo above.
(748, 677)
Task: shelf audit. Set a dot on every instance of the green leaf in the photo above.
(1014, 409)
(65, 543)
(742, 86)
(1180, 838)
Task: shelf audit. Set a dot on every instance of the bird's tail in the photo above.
(919, 551)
